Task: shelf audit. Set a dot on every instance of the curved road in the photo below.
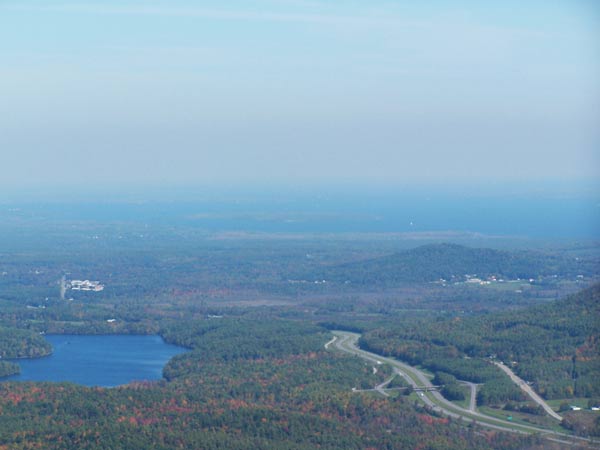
(330, 342)
(346, 342)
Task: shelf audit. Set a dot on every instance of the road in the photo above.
(525, 387)
(417, 379)
(330, 342)
(380, 387)
(346, 342)
(473, 393)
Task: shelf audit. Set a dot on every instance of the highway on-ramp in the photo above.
(527, 389)
(346, 342)
(473, 394)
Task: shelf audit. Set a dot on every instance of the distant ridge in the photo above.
(452, 262)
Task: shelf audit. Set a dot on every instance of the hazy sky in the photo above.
(104, 91)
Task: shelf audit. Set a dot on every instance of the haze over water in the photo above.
(546, 211)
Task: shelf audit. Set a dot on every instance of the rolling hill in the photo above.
(452, 262)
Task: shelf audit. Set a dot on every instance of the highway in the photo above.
(530, 392)
(346, 342)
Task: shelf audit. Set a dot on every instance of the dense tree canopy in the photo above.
(556, 346)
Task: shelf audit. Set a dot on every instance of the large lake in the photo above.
(99, 360)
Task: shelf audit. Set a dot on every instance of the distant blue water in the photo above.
(502, 211)
(99, 360)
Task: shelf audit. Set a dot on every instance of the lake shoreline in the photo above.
(98, 360)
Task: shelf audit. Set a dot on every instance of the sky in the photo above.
(105, 92)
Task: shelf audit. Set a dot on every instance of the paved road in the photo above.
(380, 387)
(346, 342)
(473, 394)
(417, 379)
(525, 387)
(330, 342)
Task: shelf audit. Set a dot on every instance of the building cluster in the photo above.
(85, 285)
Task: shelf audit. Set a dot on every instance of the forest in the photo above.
(270, 394)
(555, 346)
(452, 262)
(299, 224)
(255, 312)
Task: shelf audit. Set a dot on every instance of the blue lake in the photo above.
(99, 360)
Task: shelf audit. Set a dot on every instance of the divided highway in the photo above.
(346, 342)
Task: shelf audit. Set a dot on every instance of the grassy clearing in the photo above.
(464, 403)
(523, 418)
(581, 402)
